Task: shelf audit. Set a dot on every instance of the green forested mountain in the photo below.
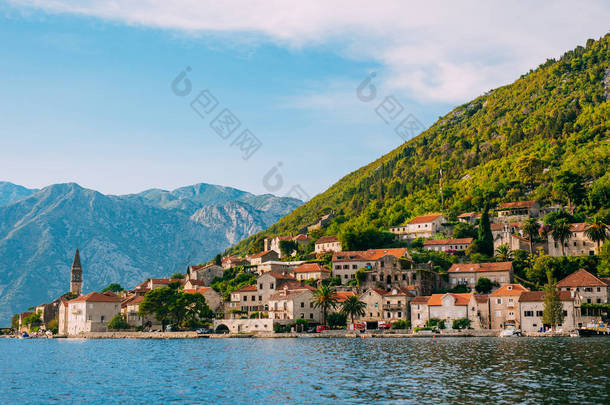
(545, 136)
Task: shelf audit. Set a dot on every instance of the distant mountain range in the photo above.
(122, 239)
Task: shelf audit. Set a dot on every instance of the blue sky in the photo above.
(87, 96)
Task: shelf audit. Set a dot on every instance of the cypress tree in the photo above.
(553, 310)
(485, 239)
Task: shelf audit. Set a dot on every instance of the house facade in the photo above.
(518, 211)
(468, 274)
(311, 271)
(531, 307)
(588, 291)
(424, 226)
(205, 273)
(328, 244)
(346, 264)
(444, 245)
(504, 306)
(91, 312)
(419, 311)
(294, 304)
(262, 257)
(579, 243)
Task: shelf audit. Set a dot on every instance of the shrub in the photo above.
(435, 323)
(423, 328)
(461, 323)
(118, 322)
(53, 326)
(336, 319)
(401, 324)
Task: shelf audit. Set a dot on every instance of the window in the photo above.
(354, 266)
(271, 286)
(302, 305)
(400, 314)
(539, 313)
(245, 298)
(337, 267)
(345, 276)
(260, 297)
(302, 315)
(599, 300)
(418, 316)
(371, 314)
(498, 300)
(414, 276)
(565, 313)
(310, 316)
(102, 318)
(510, 300)
(528, 313)
(404, 277)
(498, 313)
(260, 286)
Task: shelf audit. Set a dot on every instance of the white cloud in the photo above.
(437, 51)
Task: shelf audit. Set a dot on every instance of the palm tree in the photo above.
(597, 231)
(324, 297)
(504, 254)
(530, 229)
(353, 307)
(562, 232)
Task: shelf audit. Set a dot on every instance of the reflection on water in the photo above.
(456, 370)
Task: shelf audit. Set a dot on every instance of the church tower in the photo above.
(76, 275)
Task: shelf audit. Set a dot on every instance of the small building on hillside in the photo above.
(346, 264)
(579, 243)
(328, 244)
(589, 291)
(262, 257)
(531, 307)
(504, 306)
(469, 218)
(311, 271)
(205, 273)
(425, 226)
(233, 261)
(468, 274)
(212, 298)
(278, 266)
(518, 211)
(91, 312)
(273, 244)
(448, 245)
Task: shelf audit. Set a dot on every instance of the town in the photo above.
(489, 273)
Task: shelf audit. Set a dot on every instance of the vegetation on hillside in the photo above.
(543, 137)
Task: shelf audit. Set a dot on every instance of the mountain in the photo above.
(122, 239)
(10, 192)
(545, 136)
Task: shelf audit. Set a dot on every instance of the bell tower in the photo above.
(76, 275)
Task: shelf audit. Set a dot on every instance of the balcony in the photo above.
(393, 307)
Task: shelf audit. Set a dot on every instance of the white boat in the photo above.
(510, 332)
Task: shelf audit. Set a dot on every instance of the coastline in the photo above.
(271, 335)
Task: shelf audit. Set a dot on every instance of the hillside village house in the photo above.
(449, 307)
(255, 298)
(396, 305)
(578, 245)
(444, 245)
(468, 274)
(233, 261)
(244, 299)
(419, 311)
(531, 307)
(327, 244)
(155, 283)
(420, 227)
(130, 308)
(278, 266)
(518, 211)
(212, 298)
(205, 273)
(261, 257)
(345, 264)
(294, 303)
(504, 306)
(373, 299)
(273, 244)
(587, 289)
(469, 217)
(91, 312)
(311, 271)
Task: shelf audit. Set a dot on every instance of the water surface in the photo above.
(447, 370)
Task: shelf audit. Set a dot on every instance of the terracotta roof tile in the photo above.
(424, 219)
(581, 278)
(517, 204)
(327, 239)
(538, 296)
(420, 300)
(460, 299)
(371, 254)
(96, 297)
(510, 289)
(460, 241)
(343, 295)
(481, 298)
(247, 288)
(480, 267)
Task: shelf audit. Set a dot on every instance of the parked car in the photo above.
(321, 328)
(384, 325)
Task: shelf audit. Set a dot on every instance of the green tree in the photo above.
(360, 276)
(118, 322)
(32, 320)
(53, 326)
(324, 297)
(177, 276)
(569, 184)
(528, 169)
(530, 230)
(157, 302)
(287, 247)
(553, 310)
(113, 287)
(597, 231)
(603, 269)
(486, 239)
(353, 307)
(464, 230)
(484, 285)
(562, 232)
(336, 319)
(218, 259)
(504, 254)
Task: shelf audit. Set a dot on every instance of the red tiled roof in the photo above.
(460, 299)
(581, 278)
(196, 282)
(96, 297)
(399, 291)
(310, 268)
(466, 215)
(420, 300)
(327, 239)
(510, 289)
(478, 267)
(424, 219)
(301, 237)
(343, 295)
(496, 227)
(538, 296)
(579, 227)
(132, 300)
(460, 241)
(165, 280)
(481, 298)
(260, 254)
(247, 288)
(517, 204)
(371, 254)
(280, 276)
(201, 290)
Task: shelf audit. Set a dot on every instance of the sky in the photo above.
(264, 96)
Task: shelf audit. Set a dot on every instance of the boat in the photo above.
(510, 332)
(594, 329)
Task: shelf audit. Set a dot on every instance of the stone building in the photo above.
(579, 243)
(76, 275)
(91, 312)
(328, 244)
(206, 273)
(468, 274)
(425, 226)
(294, 303)
(531, 307)
(419, 311)
(504, 306)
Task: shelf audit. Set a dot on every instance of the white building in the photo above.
(444, 245)
(328, 244)
(420, 227)
(91, 312)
